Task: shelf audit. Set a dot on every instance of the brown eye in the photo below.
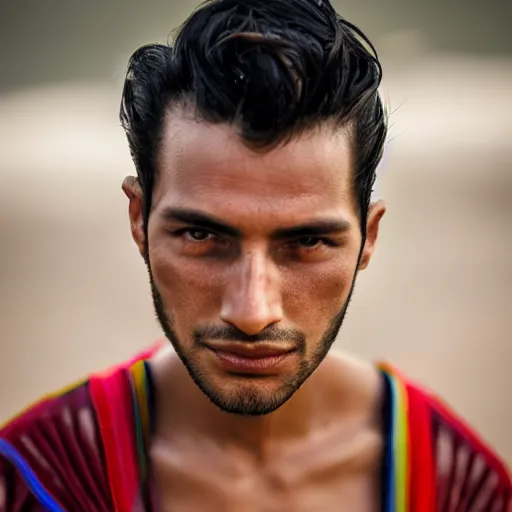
(197, 235)
(309, 242)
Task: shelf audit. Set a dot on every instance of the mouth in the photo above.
(244, 358)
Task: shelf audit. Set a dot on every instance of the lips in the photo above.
(251, 358)
(251, 351)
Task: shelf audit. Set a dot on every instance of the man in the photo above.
(256, 138)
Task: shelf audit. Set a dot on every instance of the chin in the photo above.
(248, 403)
(248, 397)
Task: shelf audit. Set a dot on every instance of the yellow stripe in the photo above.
(402, 447)
(139, 378)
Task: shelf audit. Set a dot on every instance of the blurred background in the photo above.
(437, 300)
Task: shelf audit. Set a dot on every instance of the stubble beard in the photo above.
(249, 400)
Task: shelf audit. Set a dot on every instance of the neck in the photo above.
(183, 409)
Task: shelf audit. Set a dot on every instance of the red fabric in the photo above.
(470, 476)
(112, 399)
(452, 468)
(114, 410)
(59, 440)
(62, 441)
(422, 497)
(479, 446)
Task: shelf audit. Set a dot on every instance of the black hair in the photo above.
(271, 69)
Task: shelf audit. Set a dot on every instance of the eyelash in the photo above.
(328, 242)
(184, 231)
(321, 241)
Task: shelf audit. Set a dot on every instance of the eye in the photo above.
(311, 245)
(197, 235)
(309, 242)
(200, 242)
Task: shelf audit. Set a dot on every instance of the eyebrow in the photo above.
(210, 222)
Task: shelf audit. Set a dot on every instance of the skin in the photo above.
(307, 436)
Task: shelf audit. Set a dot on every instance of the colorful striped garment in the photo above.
(85, 449)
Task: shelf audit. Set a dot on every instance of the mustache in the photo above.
(231, 333)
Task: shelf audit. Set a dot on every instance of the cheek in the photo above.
(313, 296)
(190, 292)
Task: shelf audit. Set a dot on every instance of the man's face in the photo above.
(252, 257)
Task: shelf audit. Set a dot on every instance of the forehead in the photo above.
(209, 167)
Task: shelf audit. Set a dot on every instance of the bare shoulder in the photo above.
(356, 384)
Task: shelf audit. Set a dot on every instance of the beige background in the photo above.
(437, 300)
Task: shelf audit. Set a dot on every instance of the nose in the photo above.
(252, 298)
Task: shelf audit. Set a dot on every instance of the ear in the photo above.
(131, 187)
(375, 214)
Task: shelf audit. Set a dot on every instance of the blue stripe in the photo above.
(390, 504)
(29, 477)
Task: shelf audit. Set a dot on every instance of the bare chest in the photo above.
(325, 477)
